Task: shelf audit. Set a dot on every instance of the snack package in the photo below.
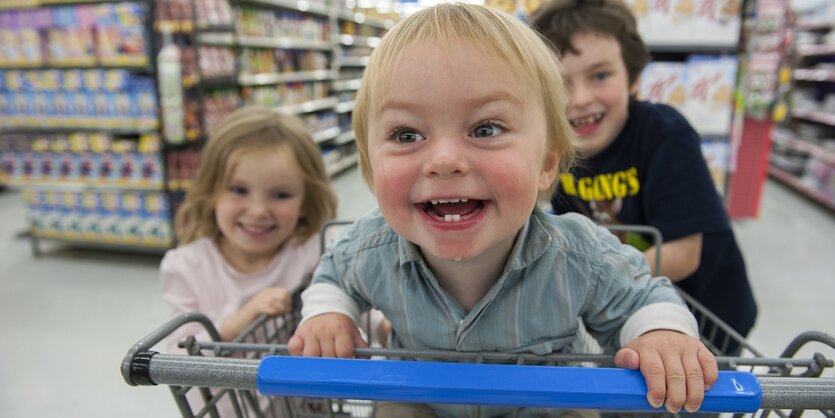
(710, 90)
(664, 82)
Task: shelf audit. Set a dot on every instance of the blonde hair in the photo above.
(253, 129)
(493, 32)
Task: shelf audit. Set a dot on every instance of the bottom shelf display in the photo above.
(123, 218)
(800, 185)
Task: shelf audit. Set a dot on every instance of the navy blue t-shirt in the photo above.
(654, 174)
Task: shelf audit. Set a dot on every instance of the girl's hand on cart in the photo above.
(271, 301)
(326, 335)
(676, 367)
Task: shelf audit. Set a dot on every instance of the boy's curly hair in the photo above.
(559, 20)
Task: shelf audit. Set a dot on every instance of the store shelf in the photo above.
(810, 26)
(275, 78)
(40, 127)
(798, 185)
(359, 41)
(345, 137)
(326, 135)
(311, 106)
(822, 154)
(347, 85)
(344, 107)
(99, 244)
(692, 49)
(84, 186)
(216, 39)
(363, 19)
(352, 62)
(282, 42)
(143, 68)
(815, 116)
(31, 4)
(303, 6)
(816, 50)
(343, 164)
(814, 75)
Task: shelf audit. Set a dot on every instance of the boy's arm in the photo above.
(680, 257)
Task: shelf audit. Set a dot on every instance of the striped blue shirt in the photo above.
(561, 268)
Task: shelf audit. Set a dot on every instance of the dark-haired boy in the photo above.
(642, 162)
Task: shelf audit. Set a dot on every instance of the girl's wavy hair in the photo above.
(493, 32)
(254, 129)
(559, 20)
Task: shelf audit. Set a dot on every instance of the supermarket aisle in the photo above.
(789, 254)
(68, 318)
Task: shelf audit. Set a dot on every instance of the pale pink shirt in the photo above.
(197, 278)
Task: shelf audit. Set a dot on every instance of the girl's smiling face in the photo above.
(457, 149)
(260, 207)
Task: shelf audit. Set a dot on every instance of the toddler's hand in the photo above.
(271, 301)
(676, 367)
(326, 335)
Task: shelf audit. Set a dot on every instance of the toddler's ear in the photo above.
(550, 167)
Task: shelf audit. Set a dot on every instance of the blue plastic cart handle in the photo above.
(485, 384)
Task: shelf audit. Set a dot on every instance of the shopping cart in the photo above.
(220, 379)
(320, 387)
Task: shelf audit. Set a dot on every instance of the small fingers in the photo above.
(344, 346)
(652, 367)
(676, 382)
(295, 346)
(627, 358)
(695, 383)
(709, 367)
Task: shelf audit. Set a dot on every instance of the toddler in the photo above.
(460, 122)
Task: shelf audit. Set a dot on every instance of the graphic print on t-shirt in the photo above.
(600, 197)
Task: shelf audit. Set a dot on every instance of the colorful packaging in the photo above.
(710, 87)
(664, 82)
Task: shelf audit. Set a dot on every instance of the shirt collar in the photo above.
(531, 243)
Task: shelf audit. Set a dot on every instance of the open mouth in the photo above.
(256, 229)
(586, 120)
(454, 209)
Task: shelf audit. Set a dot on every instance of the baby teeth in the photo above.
(452, 218)
(436, 201)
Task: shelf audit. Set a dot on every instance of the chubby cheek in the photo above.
(392, 183)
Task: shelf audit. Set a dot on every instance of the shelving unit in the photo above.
(304, 58)
(694, 69)
(803, 153)
(79, 123)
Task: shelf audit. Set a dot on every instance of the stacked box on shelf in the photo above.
(78, 98)
(109, 34)
(702, 90)
(698, 85)
(134, 218)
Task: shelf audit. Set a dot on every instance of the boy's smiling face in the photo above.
(598, 90)
(457, 151)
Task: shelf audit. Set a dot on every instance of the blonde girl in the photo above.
(248, 228)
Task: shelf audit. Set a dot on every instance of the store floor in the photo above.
(68, 318)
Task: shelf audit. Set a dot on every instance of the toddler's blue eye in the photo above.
(406, 136)
(487, 130)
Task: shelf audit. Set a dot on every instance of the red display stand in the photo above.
(751, 168)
